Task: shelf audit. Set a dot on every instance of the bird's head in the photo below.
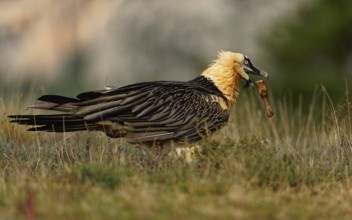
(228, 68)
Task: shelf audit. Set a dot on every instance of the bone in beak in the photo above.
(263, 91)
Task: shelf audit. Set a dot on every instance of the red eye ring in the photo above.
(246, 62)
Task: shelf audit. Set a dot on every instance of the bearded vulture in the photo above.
(151, 113)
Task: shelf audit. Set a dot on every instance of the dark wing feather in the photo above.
(149, 112)
(57, 99)
(175, 112)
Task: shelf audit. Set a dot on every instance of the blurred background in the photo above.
(67, 46)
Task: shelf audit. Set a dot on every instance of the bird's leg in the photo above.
(187, 154)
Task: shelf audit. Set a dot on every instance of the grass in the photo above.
(296, 165)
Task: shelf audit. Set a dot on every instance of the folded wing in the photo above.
(143, 113)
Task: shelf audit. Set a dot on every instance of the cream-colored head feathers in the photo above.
(225, 72)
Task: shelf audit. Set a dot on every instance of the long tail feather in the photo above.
(52, 123)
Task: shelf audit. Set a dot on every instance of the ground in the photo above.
(293, 166)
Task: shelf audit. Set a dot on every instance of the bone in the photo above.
(263, 91)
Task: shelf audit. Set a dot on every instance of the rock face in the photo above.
(129, 39)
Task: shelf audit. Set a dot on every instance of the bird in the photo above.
(151, 113)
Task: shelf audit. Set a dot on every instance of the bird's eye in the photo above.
(246, 62)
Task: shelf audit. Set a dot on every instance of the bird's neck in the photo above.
(226, 80)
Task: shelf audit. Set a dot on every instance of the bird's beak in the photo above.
(251, 69)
